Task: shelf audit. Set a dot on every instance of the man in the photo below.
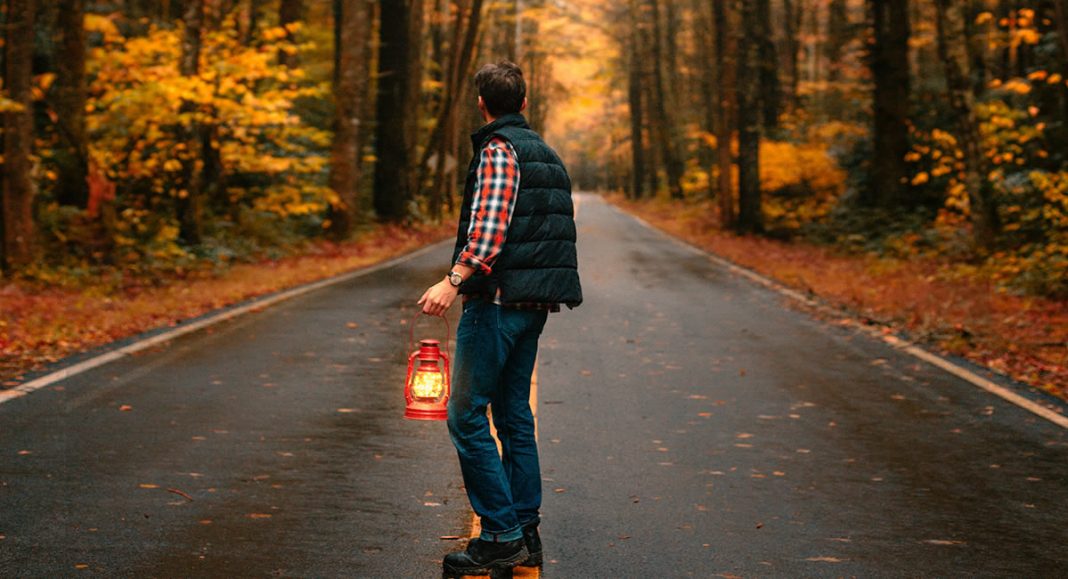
(514, 262)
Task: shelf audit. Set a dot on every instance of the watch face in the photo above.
(456, 279)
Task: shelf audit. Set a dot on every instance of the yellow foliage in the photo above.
(140, 108)
(802, 183)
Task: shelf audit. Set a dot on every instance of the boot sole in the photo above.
(501, 568)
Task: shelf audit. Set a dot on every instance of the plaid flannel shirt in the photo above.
(496, 186)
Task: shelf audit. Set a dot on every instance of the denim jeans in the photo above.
(495, 352)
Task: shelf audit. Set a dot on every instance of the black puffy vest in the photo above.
(538, 262)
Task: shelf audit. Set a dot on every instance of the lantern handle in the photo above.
(411, 330)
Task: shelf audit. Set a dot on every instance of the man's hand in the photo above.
(438, 299)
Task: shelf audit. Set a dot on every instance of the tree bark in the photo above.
(838, 35)
(289, 11)
(190, 203)
(71, 152)
(665, 127)
(950, 26)
(351, 44)
(724, 113)
(16, 204)
(889, 62)
(634, 100)
(750, 213)
(791, 46)
(442, 141)
(393, 145)
(770, 86)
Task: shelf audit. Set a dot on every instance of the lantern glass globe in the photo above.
(427, 385)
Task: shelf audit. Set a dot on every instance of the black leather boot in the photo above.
(484, 558)
(532, 541)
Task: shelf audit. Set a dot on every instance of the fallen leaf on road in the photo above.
(825, 559)
(760, 525)
(744, 435)
(81, 566)
(259, 515)
(205, 521)
(560, 490)
(450, 537)
(125, 408)
(431, 504)
(178, 492)
(943, 542)
(148, 486)
(25, 452)
(352, 325)
(346, 410)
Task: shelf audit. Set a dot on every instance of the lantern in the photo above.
(426, 389)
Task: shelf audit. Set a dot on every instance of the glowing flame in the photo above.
(427, 385)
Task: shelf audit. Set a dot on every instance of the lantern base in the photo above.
(417, 413)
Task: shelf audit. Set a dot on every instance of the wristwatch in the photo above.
(455, 278)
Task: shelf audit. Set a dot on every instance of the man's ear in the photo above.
(523, 106)
(481, 104)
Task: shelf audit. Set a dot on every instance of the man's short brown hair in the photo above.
(501, 87)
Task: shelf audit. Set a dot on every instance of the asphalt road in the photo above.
(691, 425)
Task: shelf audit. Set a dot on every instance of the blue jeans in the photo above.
(495, 352)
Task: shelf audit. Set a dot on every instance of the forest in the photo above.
(149, 139)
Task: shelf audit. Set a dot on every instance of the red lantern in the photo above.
(426, 389)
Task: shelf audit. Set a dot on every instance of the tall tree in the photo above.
(190, 202)
(950, 26)
(838, 35)
(770, 86)
(16, 203)
(69, 96)
(350, 85)
(750, 211)
(289, 12)
(634, 101)
(665, 129)
(443, 139)
(723, 62)
(889, 62)
(791, 50)
(393, 145)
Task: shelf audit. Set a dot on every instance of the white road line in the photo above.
(902, 345)
(257, 304)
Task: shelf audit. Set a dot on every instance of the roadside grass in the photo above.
(40, 323)
(950, 307)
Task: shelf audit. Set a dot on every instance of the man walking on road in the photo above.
(514, 262)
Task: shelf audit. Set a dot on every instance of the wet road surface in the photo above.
(691, 425)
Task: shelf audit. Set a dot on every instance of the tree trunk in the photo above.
(393, 145)
(634, 100)
(16, 204)
(465, 35)
(952, 51)
(665, 126)
(351, 44)
(71, 152)
(838, 35)
(190, 202)
(791, 51)
(289, 12)
(724, 113)
(889, 58)
(770, 86)
(750, 213)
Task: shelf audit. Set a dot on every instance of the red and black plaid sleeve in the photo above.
(496, 184)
